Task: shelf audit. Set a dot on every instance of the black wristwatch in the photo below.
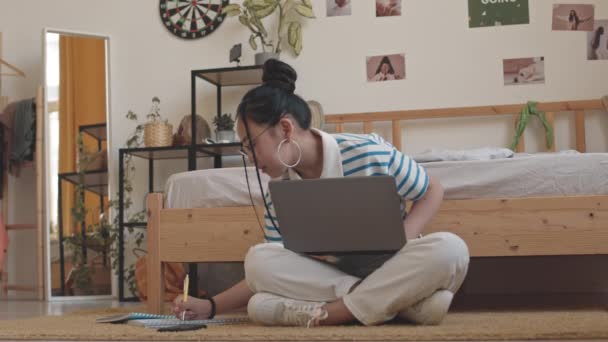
(210, 299)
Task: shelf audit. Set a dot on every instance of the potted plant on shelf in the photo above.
(224, 128)
(251, 13)
(157, 132)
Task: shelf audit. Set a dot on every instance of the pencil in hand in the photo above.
(185, 297)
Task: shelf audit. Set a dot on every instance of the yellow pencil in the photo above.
(186, 284)
(185, 298)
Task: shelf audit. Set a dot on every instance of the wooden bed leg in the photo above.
(156, 277)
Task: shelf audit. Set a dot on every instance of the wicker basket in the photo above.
(157, 134)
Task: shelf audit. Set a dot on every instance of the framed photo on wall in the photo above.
(339, 8)
(578, 17)
(520, 71)
(597, 41)
(385, 68)
(388, 8)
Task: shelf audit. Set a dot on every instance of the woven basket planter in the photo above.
(158, 134)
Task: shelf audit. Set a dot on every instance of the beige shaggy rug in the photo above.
(524, 325)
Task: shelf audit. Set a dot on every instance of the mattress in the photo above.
(524, 175)
(211, 188)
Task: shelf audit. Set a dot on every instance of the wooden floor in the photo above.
(20, 309)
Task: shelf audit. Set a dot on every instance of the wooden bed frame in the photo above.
(564, 225)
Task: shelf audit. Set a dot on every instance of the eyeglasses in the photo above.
(246, 149)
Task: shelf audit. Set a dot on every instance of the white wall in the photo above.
(448, 64)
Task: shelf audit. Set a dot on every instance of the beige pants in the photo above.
(434, 262)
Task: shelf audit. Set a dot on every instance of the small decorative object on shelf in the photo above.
(183, 136)
(235, 54)
(224, 125)
(251, 13)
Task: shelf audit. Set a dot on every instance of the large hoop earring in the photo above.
(299, 153)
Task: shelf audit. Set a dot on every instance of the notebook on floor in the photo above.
(158, 321)
(161, 323)
(121, 318)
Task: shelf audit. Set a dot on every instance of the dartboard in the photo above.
(192, 19)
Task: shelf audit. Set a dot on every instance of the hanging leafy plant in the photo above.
(103, 235)
(135, 139)
(82, 272)
(524, 118)
(251, 13)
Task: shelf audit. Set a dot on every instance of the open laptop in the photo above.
(339, 215)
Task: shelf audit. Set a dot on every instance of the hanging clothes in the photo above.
(3, 242)
(19, 122)
(24, 133)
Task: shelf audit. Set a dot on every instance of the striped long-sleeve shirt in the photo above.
(349, 155)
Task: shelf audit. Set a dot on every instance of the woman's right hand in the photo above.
(194, 308)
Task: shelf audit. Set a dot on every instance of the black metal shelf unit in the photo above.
(222, 77)
(95, 181)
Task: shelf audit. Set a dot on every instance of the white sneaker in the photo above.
(270, 309)
(431, 310)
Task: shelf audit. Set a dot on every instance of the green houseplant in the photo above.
(224, 127)
(251, 13)
(102, 236)
(87, 272)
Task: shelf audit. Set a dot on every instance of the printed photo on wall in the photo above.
(573, 17)
(337, 8)
(386, 68)
(388, 8)
(484, 13)
(519, 71)
(597, 41)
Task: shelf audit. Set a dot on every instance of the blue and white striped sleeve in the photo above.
(411, 178)
(271, 234)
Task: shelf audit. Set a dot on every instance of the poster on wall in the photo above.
(519, 71)
(577, 17)
(337, 8)
(388, 8)
(484, 13)
(385, 68)
(597, 41)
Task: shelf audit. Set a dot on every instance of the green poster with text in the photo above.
(498, 12)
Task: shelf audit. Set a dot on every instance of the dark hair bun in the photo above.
(279, 75)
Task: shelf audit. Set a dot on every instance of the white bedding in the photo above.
(211, 188)
(524, 176)
(521, 176)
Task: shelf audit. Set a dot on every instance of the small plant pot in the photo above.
(158, 134)
(262, 57)
(224, 136)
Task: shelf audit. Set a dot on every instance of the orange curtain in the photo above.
(82, 101)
